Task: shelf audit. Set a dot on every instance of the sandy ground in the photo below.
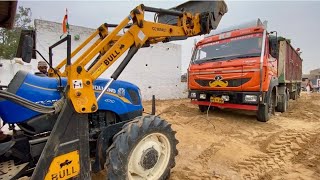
(228, 144)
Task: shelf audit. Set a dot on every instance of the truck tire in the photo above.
(144, 149)
(283, 106)
(299, 92)
(203, 108)
(293, 95)
(265, 111)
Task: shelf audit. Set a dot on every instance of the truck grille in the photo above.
(231, 82)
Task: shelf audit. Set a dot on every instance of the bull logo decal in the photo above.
(218, 82)
(66, 163)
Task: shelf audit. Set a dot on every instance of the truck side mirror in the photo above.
(273, 46)
(27, 47)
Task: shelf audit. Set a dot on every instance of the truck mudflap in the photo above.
(226, 105)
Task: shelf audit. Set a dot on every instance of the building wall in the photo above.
(156, 70)
(315, 71)
(315, 74)
(313, 77)
(8, 68)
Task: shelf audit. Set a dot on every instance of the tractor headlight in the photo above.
(203, 96)
(250, 98)
(225, 98)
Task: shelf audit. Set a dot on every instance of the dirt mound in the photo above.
(309, 156)
(229, 144)
(278, 156)
(306, 108)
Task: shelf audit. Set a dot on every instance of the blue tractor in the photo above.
(118, 105)
(70, 127)
(121, 102)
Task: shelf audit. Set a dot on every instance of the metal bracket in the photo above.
(69, 134)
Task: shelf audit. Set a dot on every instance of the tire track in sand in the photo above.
(279, 153)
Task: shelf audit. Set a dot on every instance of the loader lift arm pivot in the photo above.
(110, 46)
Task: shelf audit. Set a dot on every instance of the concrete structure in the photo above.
(8, 68)
(156, 70)
(313, 76)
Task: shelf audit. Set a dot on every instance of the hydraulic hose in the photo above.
(31, 105)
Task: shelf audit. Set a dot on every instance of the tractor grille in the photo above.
(231, 82)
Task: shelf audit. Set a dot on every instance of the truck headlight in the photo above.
(250, 98)
(225, 98)
(203, 96)
(193, 95)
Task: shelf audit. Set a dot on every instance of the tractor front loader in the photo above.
(141, 148)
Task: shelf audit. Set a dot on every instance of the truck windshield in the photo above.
(232, 48)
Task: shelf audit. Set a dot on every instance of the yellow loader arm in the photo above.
(66, 150)
(110, 46)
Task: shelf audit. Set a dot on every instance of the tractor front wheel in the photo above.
(144, 149)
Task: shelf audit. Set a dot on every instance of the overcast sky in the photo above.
(296, 20)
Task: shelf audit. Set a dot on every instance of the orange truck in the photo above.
(245, 68)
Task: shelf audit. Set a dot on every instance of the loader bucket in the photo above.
(217, 8)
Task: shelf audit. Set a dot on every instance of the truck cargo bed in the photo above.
(289, 64)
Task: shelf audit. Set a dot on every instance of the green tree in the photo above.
(9, 39)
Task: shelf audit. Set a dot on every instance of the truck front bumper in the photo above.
(230, 99)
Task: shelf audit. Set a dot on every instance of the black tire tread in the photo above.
(282, 106)
(263, 114)
(204, 108)
(126, 139)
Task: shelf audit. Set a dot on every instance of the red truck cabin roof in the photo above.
(229, 34)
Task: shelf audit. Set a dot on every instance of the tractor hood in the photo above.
(43, 90)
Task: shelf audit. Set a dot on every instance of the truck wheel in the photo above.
(283, 106)
(265, 111)
(293, 95)
(144, 149)
(262, 114)
(203, 108)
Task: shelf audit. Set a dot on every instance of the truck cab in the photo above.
(236, 69)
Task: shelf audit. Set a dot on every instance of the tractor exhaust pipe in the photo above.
(153, 111)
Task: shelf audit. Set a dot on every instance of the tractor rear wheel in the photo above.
(144, 149)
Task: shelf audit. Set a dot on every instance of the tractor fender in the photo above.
(103, 143)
